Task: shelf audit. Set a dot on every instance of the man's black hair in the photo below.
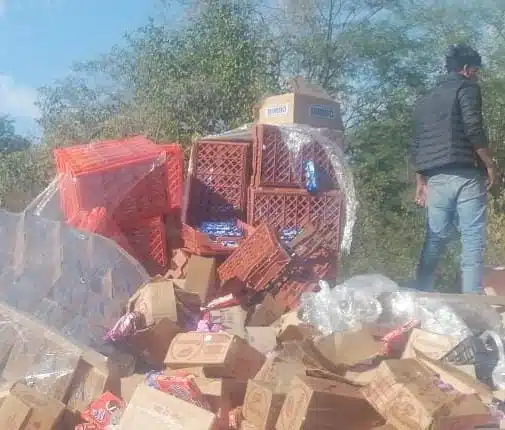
(461, 55)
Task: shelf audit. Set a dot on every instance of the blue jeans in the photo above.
(457, 200)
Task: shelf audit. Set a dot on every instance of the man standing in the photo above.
(449, 150)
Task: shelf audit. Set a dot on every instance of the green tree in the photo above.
(9, 140)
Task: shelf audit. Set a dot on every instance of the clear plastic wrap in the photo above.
(346, 306)
(35, 355)
(375, 299)
(74, 282)
(296, 136)
(59, 266)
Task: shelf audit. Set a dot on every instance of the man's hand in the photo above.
(421, 190)
(492, 175)
(421, 194)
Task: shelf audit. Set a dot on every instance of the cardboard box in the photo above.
(460, 380)
(467, 413)
(232, 319)
(262, 404)
(223, 395)
(155, 301)
(221, 354)
(267, 312)
(298, 108)
(223, 389)
(26, 408)
(154, 410)
(246, 425)
(152, 343)
(435, 346)
(129, 385)
(406, 393)
(88, 384)
(197, 372)
(313, 403)
(347, 349)
(280, 372)
(289, 327)
(201, 277)
(263, 339)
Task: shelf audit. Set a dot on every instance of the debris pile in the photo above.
(133, 297)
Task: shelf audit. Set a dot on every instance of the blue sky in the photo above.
(40, 39)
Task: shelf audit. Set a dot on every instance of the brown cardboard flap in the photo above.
(300, 85)
(232, 319)
(348, 348)
(155, 300)
(435, 346)
(201, 277)
(460, 380)
(14, 414)
(263, 339)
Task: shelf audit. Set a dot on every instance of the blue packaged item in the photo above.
(221, 228)
(289, 233)
(309, 170)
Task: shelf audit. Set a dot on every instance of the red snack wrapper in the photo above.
(181, 385)
(396, 340)
(104, 411)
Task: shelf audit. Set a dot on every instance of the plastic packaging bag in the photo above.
(346, 306)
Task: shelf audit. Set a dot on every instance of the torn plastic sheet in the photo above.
(74, 282)
(297, 136)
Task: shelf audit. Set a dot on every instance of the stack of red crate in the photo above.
(217, 183)
(277, 196)
(136, 183)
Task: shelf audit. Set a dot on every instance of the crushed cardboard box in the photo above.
(348, 349)
(155, 301)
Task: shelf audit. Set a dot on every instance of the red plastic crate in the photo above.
(126, 177)
(200, 243)
(175, 176)
(258, 260)
(287, 208)
(148, 242)
(275, 166)
(217, 182)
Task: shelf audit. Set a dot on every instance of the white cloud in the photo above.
(3, 7)
(17, 100)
